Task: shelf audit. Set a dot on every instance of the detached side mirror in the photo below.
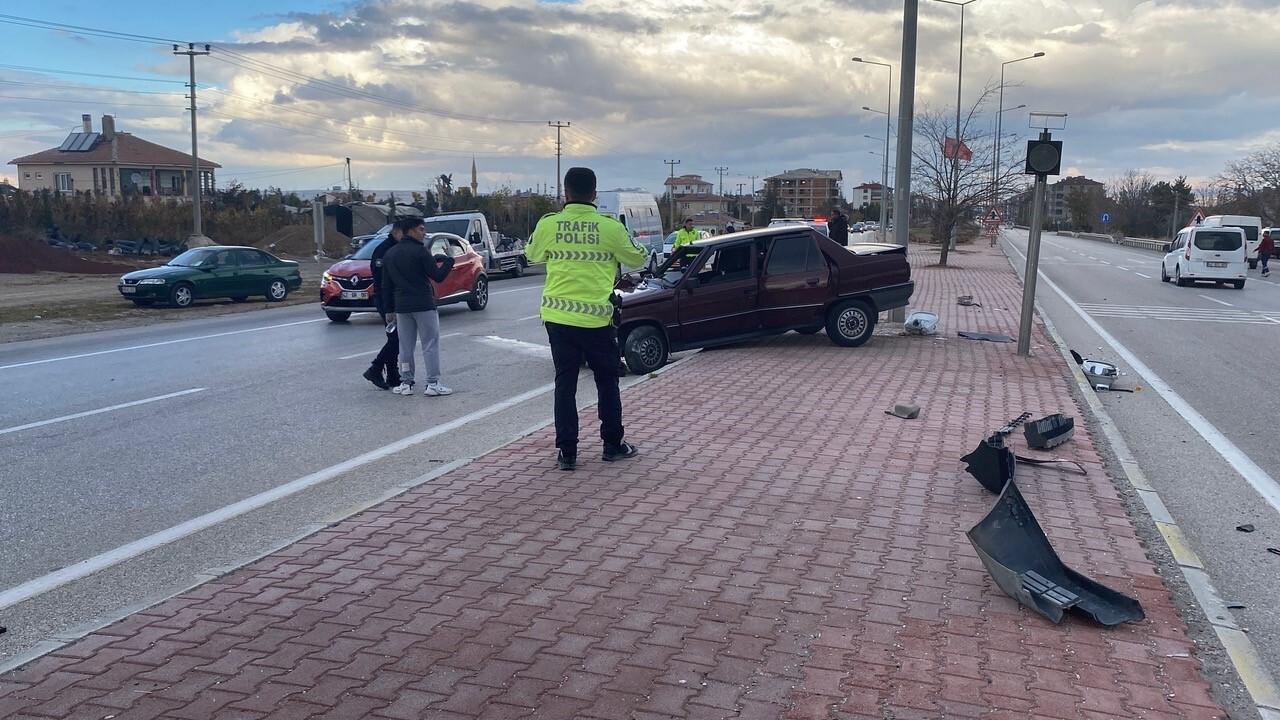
(1168, 247)
(475, 237)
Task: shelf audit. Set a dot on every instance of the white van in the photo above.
(1251, 225)
(639, 212)
(1198, 253)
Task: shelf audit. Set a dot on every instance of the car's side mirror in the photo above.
(475, 237)
(1168, 247)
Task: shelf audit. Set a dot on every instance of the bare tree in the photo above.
(1253, 183)
(1132, 195)
(953, 190)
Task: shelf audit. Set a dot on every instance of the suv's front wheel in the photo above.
(850, 323)
(479, 294)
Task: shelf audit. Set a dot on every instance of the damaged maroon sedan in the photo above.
(762, 282)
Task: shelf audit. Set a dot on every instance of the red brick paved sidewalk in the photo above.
(803, 557)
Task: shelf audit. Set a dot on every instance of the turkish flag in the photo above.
(952, 148)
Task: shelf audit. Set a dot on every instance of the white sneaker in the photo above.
(403, 389)
(436, 388)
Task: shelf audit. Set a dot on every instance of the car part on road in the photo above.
(991, 464)
(1247, 527)
(967, 301)
(1050, 431)
(989, 337)
(904, 411)
(1274, 551)
(921, 323)
(1015, 551)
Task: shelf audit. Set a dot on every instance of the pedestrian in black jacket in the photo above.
(387, 360)
(407, 271)
(838, 228)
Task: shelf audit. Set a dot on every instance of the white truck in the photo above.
(501, 253)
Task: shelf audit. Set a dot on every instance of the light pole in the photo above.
(888, 123)
(995, 160)
(955, 151)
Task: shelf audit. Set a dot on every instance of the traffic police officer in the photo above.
(582, 250)
(685, 235)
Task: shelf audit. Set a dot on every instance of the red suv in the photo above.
(348, 287)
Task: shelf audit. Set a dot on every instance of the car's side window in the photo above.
(727, 264)
(790, 254)
(439, 246)
(455, 248)
(223, 260)
(250, 258)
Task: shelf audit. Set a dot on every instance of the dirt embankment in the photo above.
(298, 241)
(24, 255)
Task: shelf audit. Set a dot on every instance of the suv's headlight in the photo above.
(326, 277)
(152, 281)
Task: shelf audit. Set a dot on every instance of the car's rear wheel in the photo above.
(337, 316)
(181, 295)
(1177, 277)
(1253, 263)
(277, 291)
(646, 350)
(1164, 276)
(240, 298)
(479, 299)
(850, 323)
(1239, 284)
(517, 270)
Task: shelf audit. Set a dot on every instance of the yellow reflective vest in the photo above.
(582, 250)
(684, 237)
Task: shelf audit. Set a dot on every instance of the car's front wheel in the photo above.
(277, 291)
(517, 270)
(850, 323)
(479, 299)
(181, 295)
(646, 350)
(1164, 276)
(337, 316)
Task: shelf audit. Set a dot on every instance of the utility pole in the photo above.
(671, 191)
(559, 178)
(351, 188)
(191, 54)
(752, 218)
(721, 171)
(906, 116)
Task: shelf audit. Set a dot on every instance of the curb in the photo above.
(200, 577)
(1248, 664)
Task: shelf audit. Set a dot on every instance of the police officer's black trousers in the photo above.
(599, 346)
(388, 358)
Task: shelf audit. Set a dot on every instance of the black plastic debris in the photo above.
(1048, 432)
(1016, 553)
(1013, 424)
(1274, 551)
(904, 411)
(989, 337)
(991, 463)
(1247, 527)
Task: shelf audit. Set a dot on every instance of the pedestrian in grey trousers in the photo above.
(407, 270)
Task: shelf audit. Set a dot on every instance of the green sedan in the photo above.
(213, 272)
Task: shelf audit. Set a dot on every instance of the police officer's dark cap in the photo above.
(580, 181)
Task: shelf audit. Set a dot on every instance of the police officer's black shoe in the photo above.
(566, 462)
(621, 451)
(374, 375)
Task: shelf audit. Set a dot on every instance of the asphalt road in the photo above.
(144, 436)
(1215, 348)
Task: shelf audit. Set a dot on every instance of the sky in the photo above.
(410, 89)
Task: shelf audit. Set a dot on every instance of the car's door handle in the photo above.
(811, 282)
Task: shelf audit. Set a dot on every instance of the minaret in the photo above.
(475, 184)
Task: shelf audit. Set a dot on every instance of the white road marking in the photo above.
(1220, 302)
(1258, 478)
(99, 411)
(102, 561)
(159, 344)
(1092, 257)
(523, 289)
(520, 346)
(531, 317)
(362, 354)
(1121, 266)
(1141, 275)
(1104, 262)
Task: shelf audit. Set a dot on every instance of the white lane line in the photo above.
(1264, 484)
(159, 344)
(361, 354)
(1141, 275)
(1104, 262)
(97, 563)
(523, 289)
(519, 346)
(1220, 302)
(1092, 257)
(531, 317)
(99, 411)
(1119, 266)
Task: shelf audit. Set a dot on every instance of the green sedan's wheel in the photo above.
(277, 290)
(182, 295)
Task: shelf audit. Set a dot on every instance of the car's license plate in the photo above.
(355, 294)
(128, 289)
(1216, 264)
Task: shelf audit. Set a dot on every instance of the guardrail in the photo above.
(1140, 243)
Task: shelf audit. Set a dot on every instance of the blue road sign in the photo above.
(1106, 218)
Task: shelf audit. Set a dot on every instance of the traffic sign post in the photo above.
(1106, 222)
(1044, 158)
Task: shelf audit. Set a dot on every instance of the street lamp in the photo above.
(955, 157)
(995, 161)
(888, 121)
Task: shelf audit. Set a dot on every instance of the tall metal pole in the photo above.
(995, 156)
(191, 54)
(721, 171)
(559, 179)
(671, 192)
(1029, 276)
(351, 188)
(906, 114)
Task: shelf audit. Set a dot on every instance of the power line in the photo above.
(90, 102)
(28, 68)
(88, 88)
(98, 32)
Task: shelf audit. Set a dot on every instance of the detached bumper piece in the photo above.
(1049, 432)
(991, 463)
(1016, 553)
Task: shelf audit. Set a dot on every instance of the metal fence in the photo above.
(1140, 243)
